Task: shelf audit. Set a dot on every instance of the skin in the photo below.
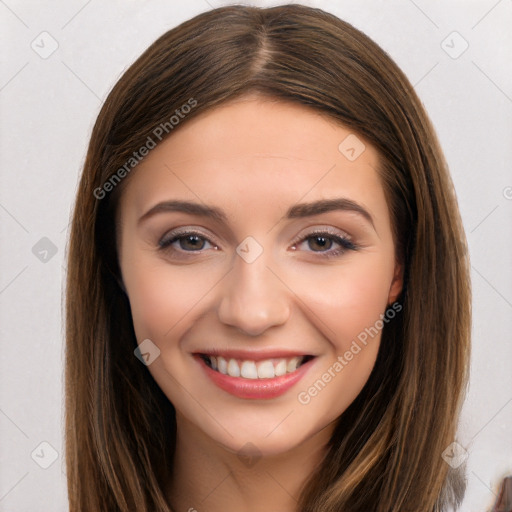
(254, 158)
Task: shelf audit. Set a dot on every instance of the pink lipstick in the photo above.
(257, 376)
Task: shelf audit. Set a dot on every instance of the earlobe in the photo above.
(396, 284)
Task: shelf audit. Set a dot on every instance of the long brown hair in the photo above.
(385, 453)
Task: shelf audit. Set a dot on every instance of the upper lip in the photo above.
(253, 355)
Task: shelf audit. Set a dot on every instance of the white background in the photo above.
(48, 108)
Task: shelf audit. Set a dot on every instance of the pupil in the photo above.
(194, 241)
(321, 242)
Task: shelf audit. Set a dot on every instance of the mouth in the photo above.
(254, 369)
(255, 376)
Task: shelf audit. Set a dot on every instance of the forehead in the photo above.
(254, 151)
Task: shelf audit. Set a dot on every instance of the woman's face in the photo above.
(256, 251)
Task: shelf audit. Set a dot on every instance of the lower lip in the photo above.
(256, 389)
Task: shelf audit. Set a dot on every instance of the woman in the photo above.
(268, 302)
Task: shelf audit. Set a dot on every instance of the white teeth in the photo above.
(266, 369)
(222, 365)
(248, 370)
(292, 364)
(233, 368)
(280, 368)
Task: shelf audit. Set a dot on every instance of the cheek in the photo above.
(347, 299)
(348, 310)
(161, 296)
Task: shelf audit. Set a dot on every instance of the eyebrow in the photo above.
(294, 212)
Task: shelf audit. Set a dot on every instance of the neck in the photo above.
(209, 478)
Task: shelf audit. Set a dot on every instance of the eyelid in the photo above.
(322, 229)
(336, 234)
(174, 233)
(307, 232)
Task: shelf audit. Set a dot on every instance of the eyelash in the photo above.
(345, 243)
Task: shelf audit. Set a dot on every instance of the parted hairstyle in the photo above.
(385, 454)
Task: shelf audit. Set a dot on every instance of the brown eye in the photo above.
(324, 244)
(191, 242)
(185, 242)
(321, 243)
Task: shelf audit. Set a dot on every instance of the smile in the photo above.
(249, 369)
(261, 377)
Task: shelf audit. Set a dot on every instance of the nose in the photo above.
(253, 297)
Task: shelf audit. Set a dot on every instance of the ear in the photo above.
(396, 284)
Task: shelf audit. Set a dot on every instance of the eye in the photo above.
(185, 241)
(322, 241)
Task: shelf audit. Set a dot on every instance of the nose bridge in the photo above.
(253, 299)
